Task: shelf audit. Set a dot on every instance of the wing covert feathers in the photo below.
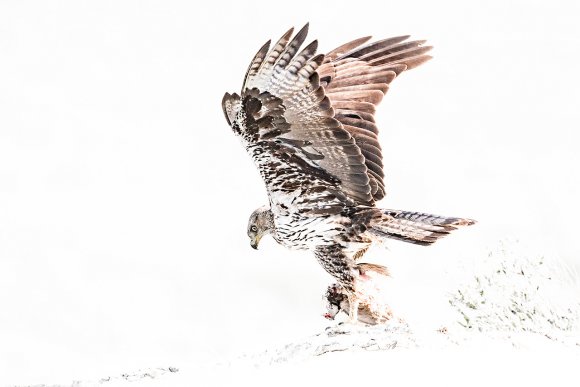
(323, 105)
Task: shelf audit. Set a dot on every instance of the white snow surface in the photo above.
(514, 318)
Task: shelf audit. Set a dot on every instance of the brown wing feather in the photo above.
(332, 55)
(356, 78)
(330, 101)
(291, 76)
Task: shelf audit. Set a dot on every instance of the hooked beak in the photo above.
(254, 243)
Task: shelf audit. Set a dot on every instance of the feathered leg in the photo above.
(372, 308)
(334, 260)
(353, 308)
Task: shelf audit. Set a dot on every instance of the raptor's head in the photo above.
(261, 223)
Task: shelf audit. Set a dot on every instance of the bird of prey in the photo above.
(307, 121)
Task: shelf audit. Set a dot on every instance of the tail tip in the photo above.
(465, 222)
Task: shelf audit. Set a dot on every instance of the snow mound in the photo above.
(512, 291)
(150, 374)
(338, 338)
(510, 298)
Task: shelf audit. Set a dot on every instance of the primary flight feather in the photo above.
(307, 121)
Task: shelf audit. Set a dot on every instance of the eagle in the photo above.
(307, 121)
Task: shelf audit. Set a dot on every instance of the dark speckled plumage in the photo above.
(307, 121)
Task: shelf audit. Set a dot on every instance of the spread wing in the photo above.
(303, 137)
(355, 78)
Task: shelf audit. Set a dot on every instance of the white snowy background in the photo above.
(124, 196)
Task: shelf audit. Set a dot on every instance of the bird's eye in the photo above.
(254, 229)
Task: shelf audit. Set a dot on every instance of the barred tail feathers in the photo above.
(416, 227)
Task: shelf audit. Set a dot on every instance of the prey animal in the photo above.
(372, 308)
(307, 121)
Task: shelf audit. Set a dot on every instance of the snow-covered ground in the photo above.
(514, 318)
